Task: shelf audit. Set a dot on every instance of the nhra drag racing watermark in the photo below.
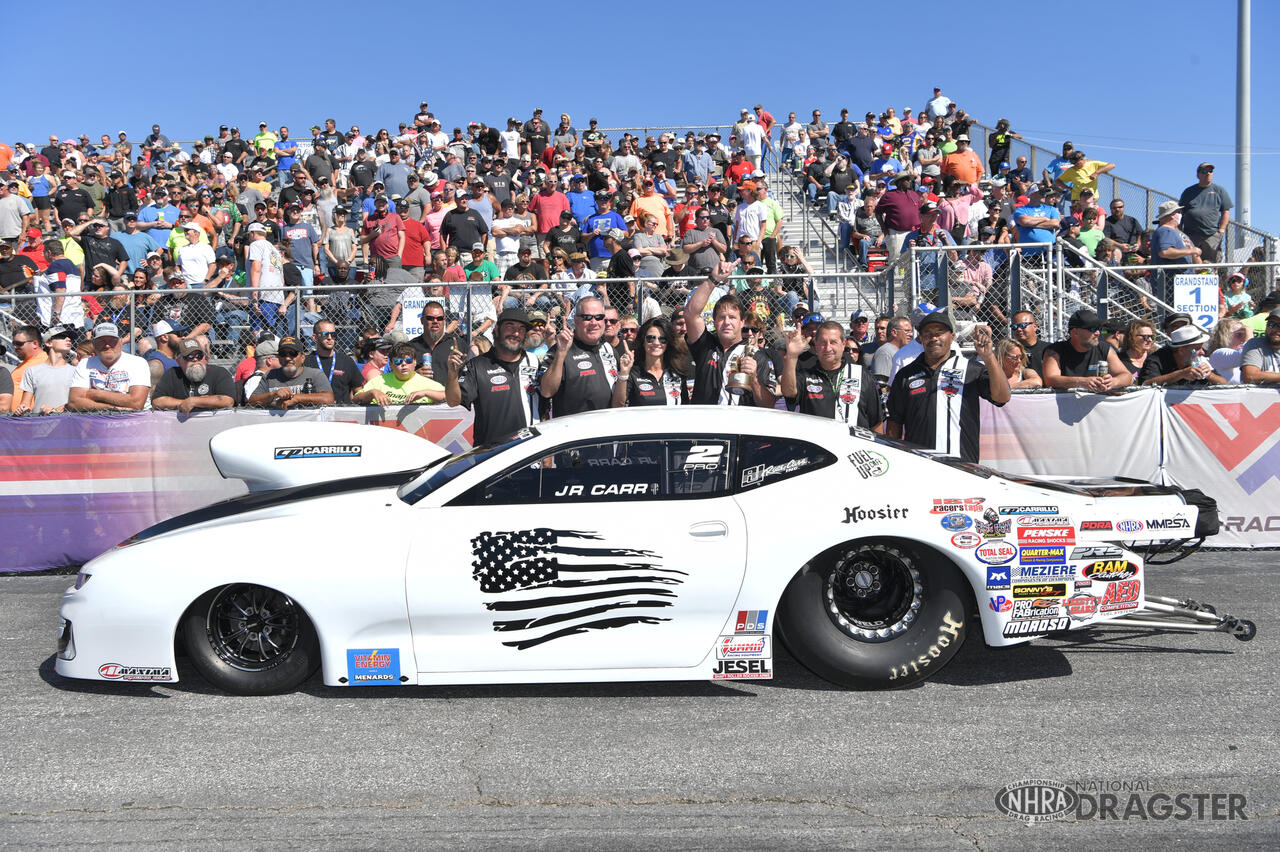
(1036, 800)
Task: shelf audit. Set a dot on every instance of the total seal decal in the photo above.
(115, 671)
(336, 451)
(956, 504)
(373, 666)
(743, 647)
(966, 540)
(1111, 570)
(869, 463)
(996, 552)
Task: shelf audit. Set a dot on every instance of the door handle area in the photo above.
(709, 529)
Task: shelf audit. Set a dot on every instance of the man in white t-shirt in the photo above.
(753, 140)
(112, 379)
(507, 229)
(750, 216)
(266, 277)
(195, 259)
(511, 140)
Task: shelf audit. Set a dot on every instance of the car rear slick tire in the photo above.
(875, 615)
(251, 640)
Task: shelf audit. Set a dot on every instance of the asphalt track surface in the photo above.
(792, 763)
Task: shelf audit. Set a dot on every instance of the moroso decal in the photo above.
(1039, 625)
(558, 583)
(1111, 570)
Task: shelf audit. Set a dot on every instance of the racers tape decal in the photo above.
(533, 575)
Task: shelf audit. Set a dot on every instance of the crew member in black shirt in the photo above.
(720, 360)
(833, 386)
(578, 372)
(343, 374)
(498, 385)
(933, 401)
(1082, 361)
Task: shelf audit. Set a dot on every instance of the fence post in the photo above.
(297, 313)
(1103, 299)
(1015, 282)
(133, 325)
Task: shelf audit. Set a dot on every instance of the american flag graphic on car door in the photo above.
(548, 584)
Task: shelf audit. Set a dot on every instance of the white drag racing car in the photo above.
(637, 544)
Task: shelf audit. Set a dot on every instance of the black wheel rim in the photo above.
(252, 628)
(873, 594)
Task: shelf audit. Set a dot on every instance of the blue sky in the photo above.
(1149, 87)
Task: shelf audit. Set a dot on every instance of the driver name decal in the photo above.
(557, 583)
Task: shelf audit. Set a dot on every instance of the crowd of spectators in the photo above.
(148, 267)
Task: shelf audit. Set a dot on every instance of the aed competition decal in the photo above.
(333, 451)
(530, 576)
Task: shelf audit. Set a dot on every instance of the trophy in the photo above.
(740, 382)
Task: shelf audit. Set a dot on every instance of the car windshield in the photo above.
(436, 476)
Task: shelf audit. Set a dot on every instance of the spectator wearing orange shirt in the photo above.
(653, 204)
(962, 164)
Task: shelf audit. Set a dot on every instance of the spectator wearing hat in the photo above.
(651, 203)
(463, 227)
(1083, 361)
(1038, 222)
(1206, 213)
(158, 217)
(137, 243)
(929, 235)
(112, 379)
(44, 388)
(165, 354)
(194, 383)
(1171, 249)
(266, 277)
(564, 236)
(196, 259)
(1260, 357)
(582, 202)
(384, 233)
(898, 212)
(933, 401)
(703, 244)
(417, 240)
(1185, 362)
(963, 164)
(500, 386)
(69, 199)
(292, 384)
(1081, 174)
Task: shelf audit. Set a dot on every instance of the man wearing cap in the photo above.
(963, 164)
(565, 236)
(43, 388)
(582, 202)
(1037, 222)
(165, 354)
(194, 383)
(384, 233)
(1187, 360)
(726, 370)
(1260, 357)
(830, 385)
(597, 227)
(578, 372)
(463, 227)
(70, 200)
(898, 212)
(933, 401)
(1082, 174)
(112, 379)
(750, 217)
(158, 217)
(196, 259)
(649, 202)
(292, 384)
(501, 386)
(266, 277)
(1083, 361)
(1171, 249)
(1206, 210)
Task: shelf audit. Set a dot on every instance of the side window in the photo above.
(764, 461)
(697, 467)
(610, 470)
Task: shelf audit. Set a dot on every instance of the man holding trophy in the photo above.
(728, 370)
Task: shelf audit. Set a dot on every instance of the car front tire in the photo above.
(251, 640)
(875, 615)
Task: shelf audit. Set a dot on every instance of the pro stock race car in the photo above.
(636, 544)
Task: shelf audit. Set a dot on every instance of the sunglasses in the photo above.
(612, 322)
(654, 338)
(325, 333)
(405, 360)
(592, 317)
(538, 324)
(1022, 325)
(629, 331)
(194, 356)
(289, 353)
(1145, 336)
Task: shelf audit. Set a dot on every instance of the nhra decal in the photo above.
(534, 574)
(957, 504)
(1081, 607)
(742, 670)
(1028, 510)
(1111, 570)
(956, 522)
(868, 463)
(115, 671)
(1022, 591)
(1047, 535)
(991, 526)
(1129, 526)
(1095, 526)
(997, 578)
(996, 552)
(1053, 555)
(751, 621)
(318, 452)
(736, 647)
(1035, 627)
(373, 666)
(966, 539)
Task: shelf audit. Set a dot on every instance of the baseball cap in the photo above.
(266, 347)
(188, 346)
(514, 315)
(160, 328)
(56, 331)
(477, 246)
(106, 329)
(938, 317)
(290, 342)
(1084, 318)
(257, 228)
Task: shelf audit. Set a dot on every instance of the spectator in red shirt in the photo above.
(416, 239)
(384, 233)
(765, 119)
(547, 204)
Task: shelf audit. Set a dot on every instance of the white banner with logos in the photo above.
(1223, 441)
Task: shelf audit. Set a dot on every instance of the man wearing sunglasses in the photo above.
(401, 386)
(500, 385)
(1206, 213)
(1082, 361)
(578, 373)
(292, 384)
(194, 383)
(338, 367)
(1027, 333)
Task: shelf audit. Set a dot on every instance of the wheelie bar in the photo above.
(1173, 614)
